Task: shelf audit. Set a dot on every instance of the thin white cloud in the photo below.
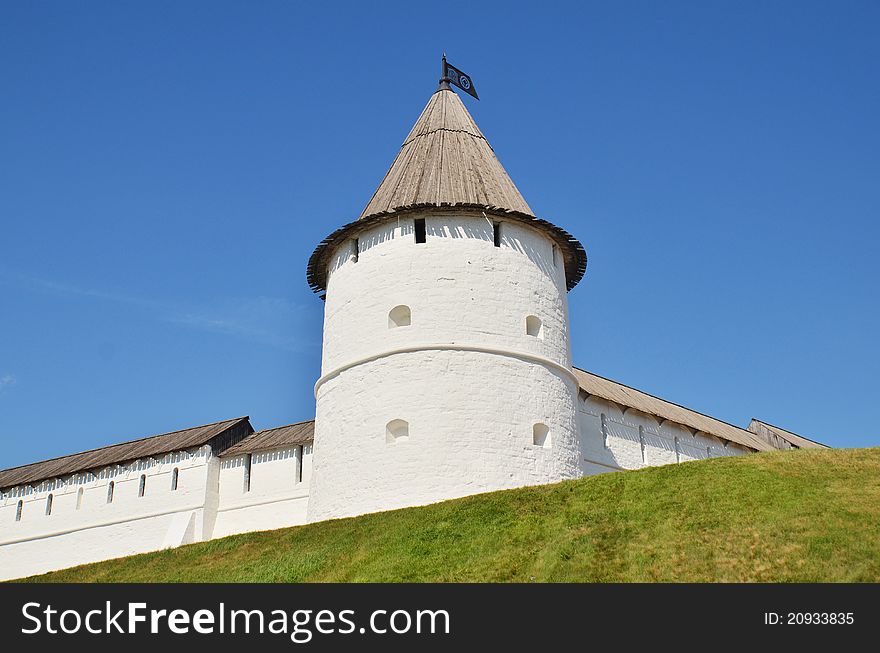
(270, 321)
(7, 381)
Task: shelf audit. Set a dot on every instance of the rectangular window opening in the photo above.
(496, 233)
(355, 249)
(420, 230)
(247, 473)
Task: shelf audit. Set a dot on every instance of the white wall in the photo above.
(460, 288)
(465, 375)
(99, 530)
(209, 502)
(278, 494)
(624, 446)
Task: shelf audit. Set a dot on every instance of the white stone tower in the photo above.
(446, 364)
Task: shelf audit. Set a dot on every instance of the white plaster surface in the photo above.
(208, 503)
(98, 530)
(663, 444)
(465, 374)
(277, 496)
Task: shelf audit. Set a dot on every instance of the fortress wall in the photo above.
(276, 497)
(623, 445)
(84, 527)
(209, 502)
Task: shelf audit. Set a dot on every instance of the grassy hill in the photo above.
(788, 516)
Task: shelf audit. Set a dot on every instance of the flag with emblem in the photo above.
(460, 79)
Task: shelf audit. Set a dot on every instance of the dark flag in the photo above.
(455, 76)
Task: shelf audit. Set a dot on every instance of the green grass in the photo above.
(788, 516)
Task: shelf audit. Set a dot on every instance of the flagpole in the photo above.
(444, 77)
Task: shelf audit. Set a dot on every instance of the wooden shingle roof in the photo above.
(219, 435)
(446, 160)
(446, 164)
(280, 436)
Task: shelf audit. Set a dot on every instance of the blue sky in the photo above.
(168, 167)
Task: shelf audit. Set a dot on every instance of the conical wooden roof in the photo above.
(445, 164)
(446, 160)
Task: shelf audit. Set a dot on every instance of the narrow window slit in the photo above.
(247, 473)
(419, 224)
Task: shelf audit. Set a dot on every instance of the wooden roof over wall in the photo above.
(218, 434)
(280, 436)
